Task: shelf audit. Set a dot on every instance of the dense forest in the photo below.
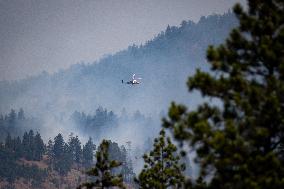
(94, 125)
(45, 165)
(16, 123)
(43, 162)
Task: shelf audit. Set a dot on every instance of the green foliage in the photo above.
(58, 148)
(11, 170)
(162, 168)
(16, 123)
(38, 147)
(62, 155)
(94, 123)
(9, 142)
(102, 170)
(32, 147)
(88, 151)
(8, 164)
(237, 142)
(75, 148)
(49, 151)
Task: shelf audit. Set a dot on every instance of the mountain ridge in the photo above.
(164, 63)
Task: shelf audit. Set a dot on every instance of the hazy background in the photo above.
(92, 40)
(37, 35)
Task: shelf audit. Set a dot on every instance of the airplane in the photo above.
(133, 81)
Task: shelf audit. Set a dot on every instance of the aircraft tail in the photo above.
(121, 81)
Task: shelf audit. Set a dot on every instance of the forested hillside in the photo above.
(90, 100)
(163, 62)
(28, 162)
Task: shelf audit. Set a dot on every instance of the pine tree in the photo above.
(25, 145)
(18, 147)
(9, 142)
(237, 141)
(162, 168)
(38, 147)
(102, 170)
(88, 152)
(58, 147)
(62, 155)
(75, 148)
(28, 145)
(50, 152)
(65, 162)
(12, 118)
(114, 151)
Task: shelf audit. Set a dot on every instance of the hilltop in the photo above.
(164, 63)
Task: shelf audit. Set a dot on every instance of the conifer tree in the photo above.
(28, 145)
(49, 151)
(38, 147)
(65, 162)
(12, 118)
(75, 148)
(58, 147)
(9, 142)
(88, 152)
(62, 155)
(162, 168)
(18, 147)
(237, 141)
(25, 144)
(102, 170)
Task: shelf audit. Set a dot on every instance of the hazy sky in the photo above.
(37, 35)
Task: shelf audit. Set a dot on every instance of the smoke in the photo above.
(164, 63)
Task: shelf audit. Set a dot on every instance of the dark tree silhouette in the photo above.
(75, 148)
(102, 170)
(88, 152)
(62, 155)
(38, 147)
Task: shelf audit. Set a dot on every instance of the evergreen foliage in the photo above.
(50, 152)
(75, 148)
(162, 168)
(62, 160)
(62, 156)
(102, 170)
(16, 123)
(39, 148)
(58, 148)
(11, 152)
(237, 142)
(88, 151)
(14, 152)
(96, 123)
(31, 148)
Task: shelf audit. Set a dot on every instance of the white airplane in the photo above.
(133, 81)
